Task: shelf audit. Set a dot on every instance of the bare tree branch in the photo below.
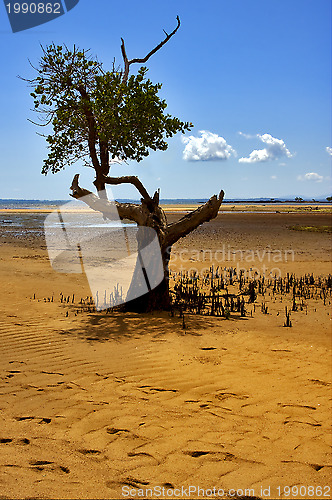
(194, 219)
(127, 62)
(128, 211)
(153, 51)
(129, 179)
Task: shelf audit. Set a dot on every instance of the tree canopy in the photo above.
(98, 116)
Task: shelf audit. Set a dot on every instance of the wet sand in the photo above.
(97, 405)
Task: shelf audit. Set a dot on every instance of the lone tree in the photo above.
(101, 117)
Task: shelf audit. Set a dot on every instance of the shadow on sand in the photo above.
(117, 326)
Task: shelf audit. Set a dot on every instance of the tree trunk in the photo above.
(158, 298)
(149, 214)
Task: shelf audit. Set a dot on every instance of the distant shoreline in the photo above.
(183, 208)
(173, 201)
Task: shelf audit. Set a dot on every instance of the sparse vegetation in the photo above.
(312, 229)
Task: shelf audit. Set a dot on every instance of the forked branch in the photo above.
(128, 62)
(137, 213)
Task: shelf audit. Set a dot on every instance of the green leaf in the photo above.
(83, 101)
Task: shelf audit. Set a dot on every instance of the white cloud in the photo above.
(310, 176)
(275, 149)
(206, 148)
(247, 136)
(273, 177)
(329, 150)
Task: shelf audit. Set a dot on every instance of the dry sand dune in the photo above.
(94, 405)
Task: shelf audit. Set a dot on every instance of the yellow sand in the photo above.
(95, 405)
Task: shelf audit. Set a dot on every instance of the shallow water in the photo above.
(35, 222)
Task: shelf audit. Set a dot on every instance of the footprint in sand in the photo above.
(18, 441)
(86, 451)
(155, 389)
(319, 382)
(136, 483)
(114, 430)
(196, 454)
(42, 464)
(42, 420)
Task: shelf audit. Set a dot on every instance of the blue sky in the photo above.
(254, 77)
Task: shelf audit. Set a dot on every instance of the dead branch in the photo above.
(129, 179)
(127, 62)
(194, 219)
(141, 213)
(128, 211)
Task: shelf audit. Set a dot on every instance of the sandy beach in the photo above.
(114, 405)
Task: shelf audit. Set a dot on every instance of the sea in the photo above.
(39, 217)
(33, 217)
